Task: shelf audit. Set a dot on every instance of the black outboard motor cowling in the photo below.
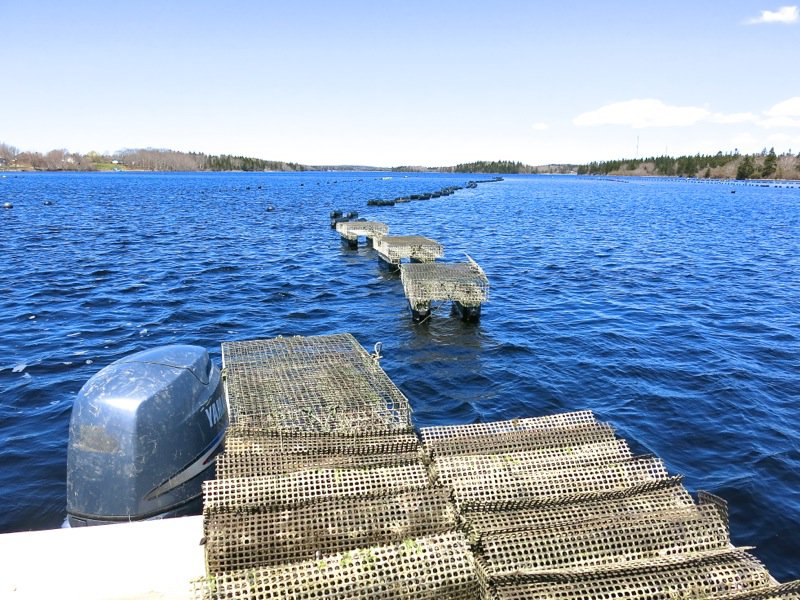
(143, 437)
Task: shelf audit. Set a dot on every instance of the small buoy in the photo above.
(48, 203)
(8, 205)
(733, 191)
(270, 208)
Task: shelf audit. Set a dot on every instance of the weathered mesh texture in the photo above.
(439, 566)
(394, 248)
(351, 230)
(424, 283)
(784, 591)
(670, 497)
(242, 464)
(325, 384)
(519, 464)
(557, 421)
(503, 490)
(588, 546)
(244, 440)
(710, 576)
(523, 440)
(303, 487)
(244, 539)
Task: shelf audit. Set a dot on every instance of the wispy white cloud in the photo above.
(644, 113)
(540, 126)
(785, 14)
(641, 113)
(733, 118)
(783, 114)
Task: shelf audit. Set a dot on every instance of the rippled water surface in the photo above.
(670, 308)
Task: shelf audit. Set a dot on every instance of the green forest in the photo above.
(732, 165)
(764, 165)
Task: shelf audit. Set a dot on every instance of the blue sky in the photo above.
(372, 83)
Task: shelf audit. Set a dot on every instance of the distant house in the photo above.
(2, 162)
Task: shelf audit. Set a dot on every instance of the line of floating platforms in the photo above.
(325, 491)
(424, 280)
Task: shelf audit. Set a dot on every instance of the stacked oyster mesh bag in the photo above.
(324, 491)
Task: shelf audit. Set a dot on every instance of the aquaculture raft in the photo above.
(393, 249)
(551, 507)
(350, 231)
(465, 284)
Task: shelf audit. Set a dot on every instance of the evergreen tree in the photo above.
(770, 163)
(746, 168)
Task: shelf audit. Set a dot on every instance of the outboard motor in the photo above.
(143, 437)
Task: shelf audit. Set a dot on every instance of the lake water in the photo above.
(670, 308)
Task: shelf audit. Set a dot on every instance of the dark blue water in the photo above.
(670, 308)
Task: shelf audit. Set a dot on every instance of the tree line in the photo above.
(764, 165)
(140, 159)
(506, 167)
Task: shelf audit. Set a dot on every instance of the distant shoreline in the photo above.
(611, 175)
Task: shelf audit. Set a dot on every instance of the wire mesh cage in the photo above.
(423, 283)
(395, 248)
(352, 230)
(311, 384)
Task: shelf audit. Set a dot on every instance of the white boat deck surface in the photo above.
(150, 560)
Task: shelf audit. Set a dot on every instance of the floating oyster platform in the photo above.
(325, 491)
(350, 231)
(393, 249)
(465, 284)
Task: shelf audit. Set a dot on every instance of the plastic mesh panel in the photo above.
(558, 421)
(438, 566)
(242, 464)
(497, 490)
(523, 440)
(784, 591)
(242, 540)
(648, 501)
(394, 248)
(450, 468)
(302, 487)
(426, 282)
(594, 545)
(311, 384)
(351, 230)
(254, 441)
(729, 573)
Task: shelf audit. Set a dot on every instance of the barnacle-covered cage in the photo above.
(352, 230)
(393, 249)
(317, 384)
(465, 284)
